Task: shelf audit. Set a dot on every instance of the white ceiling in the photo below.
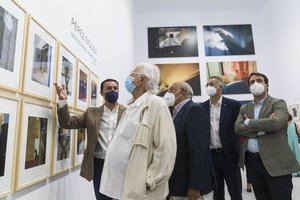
(157, 6)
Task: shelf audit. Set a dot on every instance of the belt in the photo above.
(253, 155)
(218, 150)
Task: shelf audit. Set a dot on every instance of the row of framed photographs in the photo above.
(219, 40)
(233, 73)
(32, 59)
(33, 145)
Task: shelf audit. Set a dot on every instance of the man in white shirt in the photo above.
(100, 123)
(141, 156)
(224, 143)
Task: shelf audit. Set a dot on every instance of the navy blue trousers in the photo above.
(224, 171)
(98, 167)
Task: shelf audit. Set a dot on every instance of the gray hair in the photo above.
(219, 80)
(187, 88)
(152, 74)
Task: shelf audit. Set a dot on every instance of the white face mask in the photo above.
(257, 89)
(211, 91)
(169, 98)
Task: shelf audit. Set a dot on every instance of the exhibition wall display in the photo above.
(33, 146)
(223, 44)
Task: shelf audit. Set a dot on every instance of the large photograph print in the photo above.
(188, 72)
(234, 75)
(225, 40)
(8, 122)
(12, 22)
(172, 42)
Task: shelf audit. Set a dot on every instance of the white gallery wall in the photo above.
(275, 33)
(280, 21)
(109, 26)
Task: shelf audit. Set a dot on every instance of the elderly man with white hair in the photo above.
(192, 178)
(141, 156)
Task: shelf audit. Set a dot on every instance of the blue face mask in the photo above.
(130, 87)
(112, 96)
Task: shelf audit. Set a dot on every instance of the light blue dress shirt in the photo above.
(252, 143)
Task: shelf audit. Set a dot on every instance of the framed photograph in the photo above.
(227, 40)
(40, 65)
(12, 32)
(82, 87)
(172, 42)
(234, 75)
(66, 73)
(95, 91)
(62, 149)
(294, 109)
(188, 72)
(80, 146)
(8, 121)
(35, 144)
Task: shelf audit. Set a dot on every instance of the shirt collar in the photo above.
(139, 100)
(260, 102)
(218, 103)
(181, 104)
(106, 109)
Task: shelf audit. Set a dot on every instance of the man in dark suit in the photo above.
(264, 150)
(100, 123)
(192, 177)
(224, 143)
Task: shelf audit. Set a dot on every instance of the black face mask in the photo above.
(112, 96)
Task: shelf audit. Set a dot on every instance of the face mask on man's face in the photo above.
(257, 88)
(170, 98)
(211, 91)
(112, 96)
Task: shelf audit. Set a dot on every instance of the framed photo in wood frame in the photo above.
(12, 44)
(8, 121)
(83, 88)
(40, 62)
(66, 73)
(35, 144)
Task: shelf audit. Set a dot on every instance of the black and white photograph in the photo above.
(226, 40)
(172, 42)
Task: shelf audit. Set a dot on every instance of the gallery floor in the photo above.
(250, 196)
